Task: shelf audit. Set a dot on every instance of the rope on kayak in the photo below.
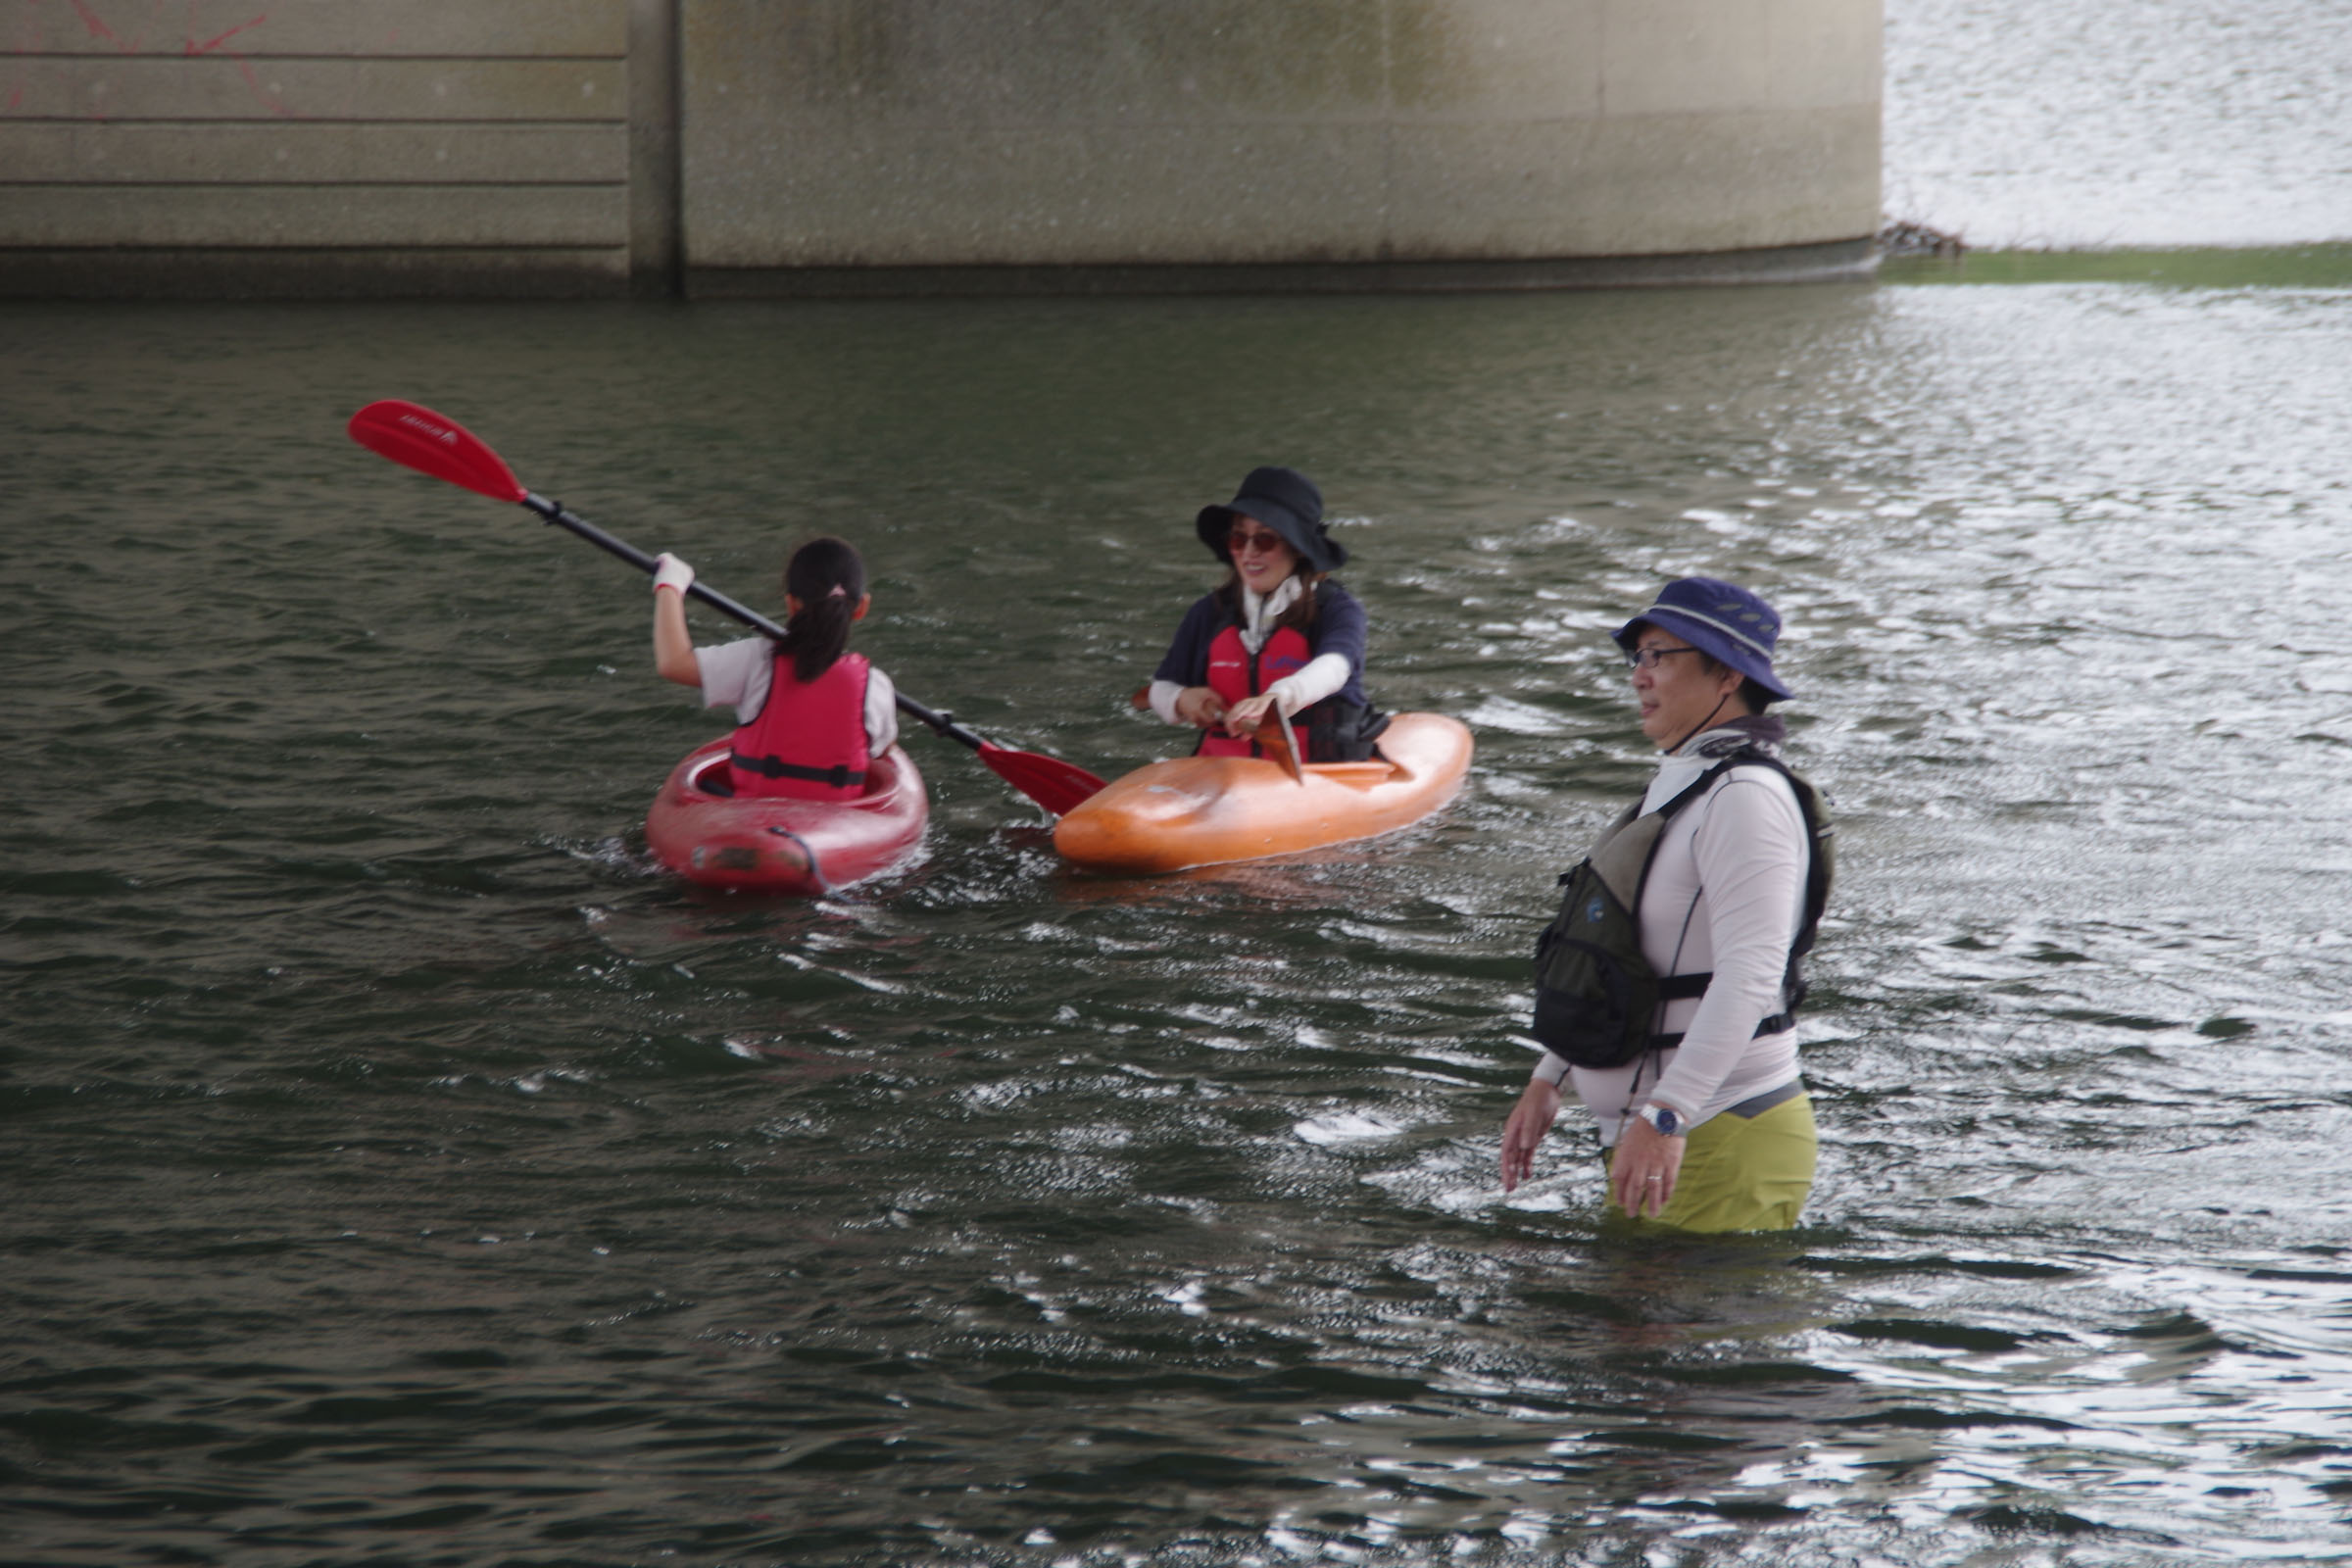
(816, 871)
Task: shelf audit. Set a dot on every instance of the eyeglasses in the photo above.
(1245, 541)
(1648, 657)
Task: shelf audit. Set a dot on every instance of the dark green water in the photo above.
(400, 1171)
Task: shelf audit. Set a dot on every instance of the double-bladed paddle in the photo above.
(431, 443)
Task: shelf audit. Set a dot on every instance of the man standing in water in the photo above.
(1667, 985)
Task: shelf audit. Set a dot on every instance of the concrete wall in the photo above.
(1448, 139)
(322, 147)
(315, 147)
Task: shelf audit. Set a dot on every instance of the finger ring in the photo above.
(1656, 1178)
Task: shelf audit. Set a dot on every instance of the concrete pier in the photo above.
(733, 147)
(315, 148)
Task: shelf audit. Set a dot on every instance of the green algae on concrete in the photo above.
(2208, 267)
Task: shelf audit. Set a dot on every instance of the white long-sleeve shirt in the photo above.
(1725, 892)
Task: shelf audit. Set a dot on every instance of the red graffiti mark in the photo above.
(92, 20)
(269, 100)
(195, 48)
(194, 45)
(97, 28)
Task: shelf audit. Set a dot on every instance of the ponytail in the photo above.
(829, 579)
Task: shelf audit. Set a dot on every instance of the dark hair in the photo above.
(1299, 612)
(828, 578)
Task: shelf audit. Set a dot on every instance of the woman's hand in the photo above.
(1530, 1121)
(673, 647)
(1200, 707)
(1644, 1169)
(1244, 717)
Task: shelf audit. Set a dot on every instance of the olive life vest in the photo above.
(1234, 673)
(1596, 996)
(809, 740)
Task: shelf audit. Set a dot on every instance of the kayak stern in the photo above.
(791, 847)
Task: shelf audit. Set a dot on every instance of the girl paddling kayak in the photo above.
(811, 792)
(811, 716)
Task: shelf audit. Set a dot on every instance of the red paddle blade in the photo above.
(417, 438)
(1051, 782)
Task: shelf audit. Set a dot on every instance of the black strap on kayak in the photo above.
(838, 775)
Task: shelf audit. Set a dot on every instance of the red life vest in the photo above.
(809, 742)
(1234, 674)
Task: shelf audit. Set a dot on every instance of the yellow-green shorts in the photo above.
(1745, 1173)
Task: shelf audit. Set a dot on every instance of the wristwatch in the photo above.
(1665, 1118)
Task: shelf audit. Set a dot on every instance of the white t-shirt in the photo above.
(738, 672)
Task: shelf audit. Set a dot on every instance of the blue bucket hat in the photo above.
(1720, 619)
(1285, 500)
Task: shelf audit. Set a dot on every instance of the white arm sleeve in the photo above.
(1163, 700)
(881, 712)
(1323, 675)
(737, 674)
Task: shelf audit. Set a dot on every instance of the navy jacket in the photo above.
(1339, 628)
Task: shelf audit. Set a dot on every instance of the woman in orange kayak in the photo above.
(811, 716)
(1278, 633)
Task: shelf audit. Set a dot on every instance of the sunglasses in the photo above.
(1248, 541)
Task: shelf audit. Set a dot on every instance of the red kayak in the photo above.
(785, 845)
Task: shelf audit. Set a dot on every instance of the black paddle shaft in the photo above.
(561, 517)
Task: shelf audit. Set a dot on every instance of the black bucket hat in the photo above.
(1285, 500)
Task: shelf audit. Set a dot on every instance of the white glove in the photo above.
(671, 572)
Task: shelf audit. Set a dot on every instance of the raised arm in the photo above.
(673, 649)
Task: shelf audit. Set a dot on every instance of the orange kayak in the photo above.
(1207, 810)
(784, 845)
